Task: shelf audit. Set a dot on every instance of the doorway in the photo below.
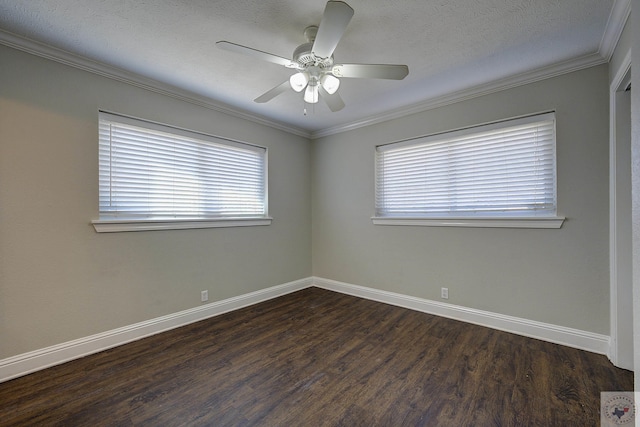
(620, 223)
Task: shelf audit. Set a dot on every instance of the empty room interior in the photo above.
(319, 213)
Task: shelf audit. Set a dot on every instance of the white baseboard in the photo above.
(570, 337)
(26, 363)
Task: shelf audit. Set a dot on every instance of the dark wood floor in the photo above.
(319, 358)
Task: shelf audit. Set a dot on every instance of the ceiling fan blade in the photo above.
(334, 22)
(334, 102)
(265, 56)
(371, 71)
(270, 94)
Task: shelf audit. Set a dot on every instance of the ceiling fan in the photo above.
(317, 73)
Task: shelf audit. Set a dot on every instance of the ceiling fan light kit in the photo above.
(311, 93)
(317, 75)
(298, 81)
(330, 83)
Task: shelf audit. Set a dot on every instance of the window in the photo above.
(156, 177)
(502, 174)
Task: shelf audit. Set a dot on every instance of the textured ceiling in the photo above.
(449, 46)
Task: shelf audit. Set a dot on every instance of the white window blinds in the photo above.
(502, 169)
(151, 171)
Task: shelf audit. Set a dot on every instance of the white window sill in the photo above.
(488, 222)
(119, 225)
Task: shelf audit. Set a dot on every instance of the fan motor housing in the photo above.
(303, 54)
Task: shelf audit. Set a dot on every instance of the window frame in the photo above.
(482, 220)
(108, 223)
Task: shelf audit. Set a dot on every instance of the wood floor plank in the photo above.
(320, 358)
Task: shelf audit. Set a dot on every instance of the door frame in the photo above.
(620, 351)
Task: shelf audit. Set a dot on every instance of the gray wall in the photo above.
(555, 276)
(59, 279)
(635, 182)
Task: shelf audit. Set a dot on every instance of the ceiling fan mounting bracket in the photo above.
(310, 33)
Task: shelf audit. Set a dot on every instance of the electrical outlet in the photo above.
(204, 296)
(444, 293)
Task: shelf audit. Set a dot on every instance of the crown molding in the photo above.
(61, 56)
(533, 76)
(615, 25)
